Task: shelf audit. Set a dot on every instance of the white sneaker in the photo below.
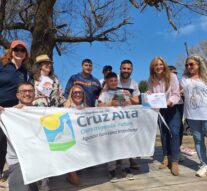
(202, 172)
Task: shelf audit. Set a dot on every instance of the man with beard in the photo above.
(128, 85)
(130, 88)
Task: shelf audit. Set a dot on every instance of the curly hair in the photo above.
(166, 73)
(7, 57)
(70, 101)
(202, 66)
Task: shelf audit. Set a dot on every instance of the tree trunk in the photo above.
(43, 42)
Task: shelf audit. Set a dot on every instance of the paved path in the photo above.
(149, 177)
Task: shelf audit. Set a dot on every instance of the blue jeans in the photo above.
(171, 139)
(199, 130)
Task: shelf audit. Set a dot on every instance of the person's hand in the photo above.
(127, 93)
(182, 92)
(80, 107)
(123, 103)
(19, 106)
(169, 103)
(1, 109)
(148, 92)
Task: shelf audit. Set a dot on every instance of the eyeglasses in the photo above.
(23, 50)
(190, 64)
(77, 93)
(25, 91)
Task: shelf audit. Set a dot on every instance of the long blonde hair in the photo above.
(202, 67)
(70, 101)
(166, 73)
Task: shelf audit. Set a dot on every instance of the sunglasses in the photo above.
(77, 93)
(23, 50)
(190, 64)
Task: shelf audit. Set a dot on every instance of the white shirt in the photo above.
(46, 85)
(195, 93)
(131, 85)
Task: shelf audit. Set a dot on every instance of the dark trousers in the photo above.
(180, 110)
(3, 140)
(3, 147)
(170, 138)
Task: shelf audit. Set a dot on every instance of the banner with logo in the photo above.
(54, 141)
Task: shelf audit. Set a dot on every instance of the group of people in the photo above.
(191, 91)
(84, 90)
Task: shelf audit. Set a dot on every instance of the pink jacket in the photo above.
(173, 92)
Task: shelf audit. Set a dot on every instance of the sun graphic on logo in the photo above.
(51, 122)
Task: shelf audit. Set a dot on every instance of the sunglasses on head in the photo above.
(77, 93)
(23, 50)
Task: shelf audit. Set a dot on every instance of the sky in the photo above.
(151, 35)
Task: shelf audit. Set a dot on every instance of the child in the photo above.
(111, 96)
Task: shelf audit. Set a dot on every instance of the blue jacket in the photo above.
(91, 87)
(10, 77)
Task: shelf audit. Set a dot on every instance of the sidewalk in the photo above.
(148, 178)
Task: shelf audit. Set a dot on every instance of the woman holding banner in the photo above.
(161, 80)
(12, 72)
(76, 99)
(194, 84)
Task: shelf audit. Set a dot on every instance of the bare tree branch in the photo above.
(3, 42)
(168, 12)
(100, 37)
(96, 17)
(2, 14)
(134, 3)
(49, 22)
(199, 7)
(104, 5)
(81, 39)
(15, 26)
(124, 22)
(25, 18)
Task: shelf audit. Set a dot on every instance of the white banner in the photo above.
(54, 141)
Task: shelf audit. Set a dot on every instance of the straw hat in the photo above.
(42, 58)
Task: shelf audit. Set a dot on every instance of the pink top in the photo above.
(173, 92)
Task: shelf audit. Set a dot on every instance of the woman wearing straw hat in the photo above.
(48, 91)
